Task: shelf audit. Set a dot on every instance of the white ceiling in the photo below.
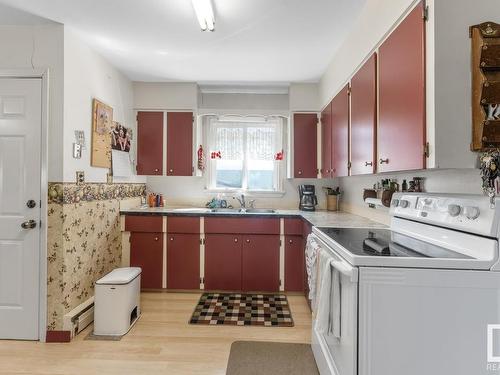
(258, 41)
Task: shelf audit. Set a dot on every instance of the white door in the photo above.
(20, 158)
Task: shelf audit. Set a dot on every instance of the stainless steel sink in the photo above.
(260, 211)
(226, 210)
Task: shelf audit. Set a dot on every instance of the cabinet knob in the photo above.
(290, 241)
(170, 171)
(156, 238)
(171, 238)
(368, 163)
(299, 172)
(157, 170)
(247, 241)
(382, 161)
(235, 240)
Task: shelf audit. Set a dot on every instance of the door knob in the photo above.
(30, 224)
(31, 203)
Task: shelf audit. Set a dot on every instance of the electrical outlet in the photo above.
(80, 177)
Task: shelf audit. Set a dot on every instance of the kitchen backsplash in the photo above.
(190, 191)
(84, 240)
(465, 181)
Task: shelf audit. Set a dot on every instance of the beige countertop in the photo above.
(318, 218)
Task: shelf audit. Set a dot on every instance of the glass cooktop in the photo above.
(386, 243)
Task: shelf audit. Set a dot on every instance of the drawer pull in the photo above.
(368, 164)
(382, 161)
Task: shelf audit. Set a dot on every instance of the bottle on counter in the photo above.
(404, 186)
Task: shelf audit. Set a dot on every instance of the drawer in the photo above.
(242, 225)
(293, 226)
(183, 224)
(143, 223)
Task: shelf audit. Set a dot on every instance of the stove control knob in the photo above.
(471, 212)
(404, 203)
(395, 202)
(454, 210)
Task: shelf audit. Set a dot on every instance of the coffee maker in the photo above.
(308, 199)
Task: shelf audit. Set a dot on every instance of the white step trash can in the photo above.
(117, 301)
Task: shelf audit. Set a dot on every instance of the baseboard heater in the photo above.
(79, 318)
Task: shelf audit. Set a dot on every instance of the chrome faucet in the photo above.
(241, 200)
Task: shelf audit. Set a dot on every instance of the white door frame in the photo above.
(44, 75)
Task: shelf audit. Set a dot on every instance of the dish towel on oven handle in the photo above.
(312, 249)
(329, 298)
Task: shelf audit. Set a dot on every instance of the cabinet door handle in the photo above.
(368, 163)
(299, 172)
(290, 241)
(157, 170)
(156, 238)
(248, 241)
(382, 161)
(235, 240)
(170, 171)
(171, 238)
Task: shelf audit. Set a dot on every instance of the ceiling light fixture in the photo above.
(205, 14)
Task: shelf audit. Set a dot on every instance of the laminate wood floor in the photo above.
(162, 342)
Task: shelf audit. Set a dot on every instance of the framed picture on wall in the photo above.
(102, 123)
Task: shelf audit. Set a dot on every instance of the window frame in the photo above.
(215, 122)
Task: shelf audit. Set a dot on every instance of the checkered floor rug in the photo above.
(268, 310)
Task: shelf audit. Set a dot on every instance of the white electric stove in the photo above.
(418, 297)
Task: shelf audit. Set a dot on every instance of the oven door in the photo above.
(334, 355)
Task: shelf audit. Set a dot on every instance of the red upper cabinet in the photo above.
(401, 131)
(340, 133)
(326, 142)
(364, 118)
(150, 143)
(305, 145)
(179, 144)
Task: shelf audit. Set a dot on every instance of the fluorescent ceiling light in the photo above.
(205, 14)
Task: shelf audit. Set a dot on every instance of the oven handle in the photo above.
(338, 262)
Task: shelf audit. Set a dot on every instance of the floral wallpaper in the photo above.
(84, 241)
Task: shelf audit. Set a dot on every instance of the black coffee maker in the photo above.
(308, 199)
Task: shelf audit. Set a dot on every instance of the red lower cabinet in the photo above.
(146, 251)
(222, 262)
(183, 261)
(260, 259)
(294, 264)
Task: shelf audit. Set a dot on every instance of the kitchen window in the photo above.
(245, 153)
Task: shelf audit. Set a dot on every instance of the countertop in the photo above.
(318, 218)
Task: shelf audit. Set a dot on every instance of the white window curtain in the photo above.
(243, 152)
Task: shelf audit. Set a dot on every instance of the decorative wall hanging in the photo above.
(279, 155)
(485, 86)
(121, 137)
(102, 120)
(201, 158)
